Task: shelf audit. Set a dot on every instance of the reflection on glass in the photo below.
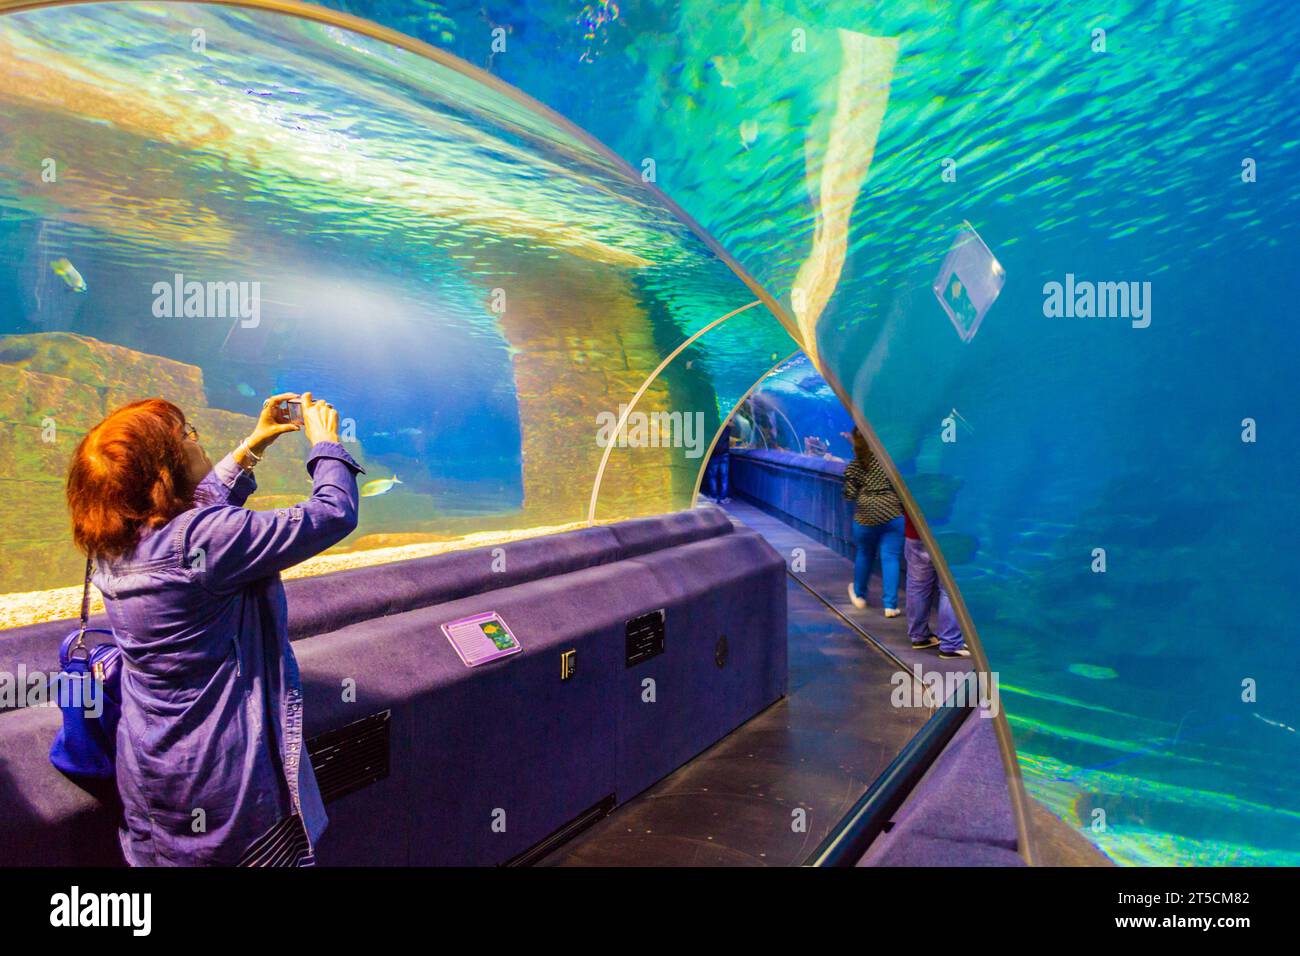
(793, 409)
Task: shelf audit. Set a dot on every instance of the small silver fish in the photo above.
(748, 132)
(379, 486)
(1274, 723)
(959, 417)
(66, 271)
(1092, 671)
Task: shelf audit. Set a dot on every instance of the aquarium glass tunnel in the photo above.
(1043, 253)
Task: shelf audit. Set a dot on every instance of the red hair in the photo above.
(128, 473)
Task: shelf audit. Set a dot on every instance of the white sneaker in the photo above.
(853, 596)
(892, 612)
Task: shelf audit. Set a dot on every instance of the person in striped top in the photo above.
(877, 523)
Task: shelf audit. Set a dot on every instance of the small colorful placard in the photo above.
(481, 638)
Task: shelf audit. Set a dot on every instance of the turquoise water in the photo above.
(470, 283)
(1076, 434)
(811, 141)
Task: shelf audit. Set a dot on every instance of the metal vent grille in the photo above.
(564, 834)
(352, 757)
(645, 637)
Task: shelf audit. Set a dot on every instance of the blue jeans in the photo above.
(889, 538)
(717, 478)
(923, 589)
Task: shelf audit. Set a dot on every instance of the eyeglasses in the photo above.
(190, 432)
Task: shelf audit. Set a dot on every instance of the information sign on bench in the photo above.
(481, 638)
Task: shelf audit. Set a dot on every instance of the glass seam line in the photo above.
(627, 409)
(699, 477)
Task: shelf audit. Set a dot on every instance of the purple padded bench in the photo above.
(480, 764)
(328, 602)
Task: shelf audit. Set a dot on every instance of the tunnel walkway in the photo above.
(817, 750)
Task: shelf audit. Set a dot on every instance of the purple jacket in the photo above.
(210, 748)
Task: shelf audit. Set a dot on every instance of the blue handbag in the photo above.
(89, 680)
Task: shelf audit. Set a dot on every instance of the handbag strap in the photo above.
(85, 610)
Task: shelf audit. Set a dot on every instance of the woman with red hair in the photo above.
(210, 761)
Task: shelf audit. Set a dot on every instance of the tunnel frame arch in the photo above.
(636, 397)
(376, 31)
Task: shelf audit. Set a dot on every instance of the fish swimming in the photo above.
(1092, 671)
(959, 417)
(243, 388)
(66, 271)
(726, 67)
(1274, 723)
(378, 486)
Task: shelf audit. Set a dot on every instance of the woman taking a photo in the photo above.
(210, 758)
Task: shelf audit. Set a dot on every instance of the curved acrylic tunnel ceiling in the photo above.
(476, 286)
(1145, 711)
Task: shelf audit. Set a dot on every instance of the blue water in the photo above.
(1076, 434)
(1072, 434)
